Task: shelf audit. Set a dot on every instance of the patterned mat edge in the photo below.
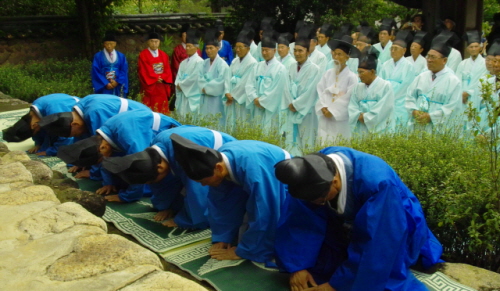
(436, 278)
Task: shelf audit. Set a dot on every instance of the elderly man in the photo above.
(400, 73)
(318, 58)
(110, 70)
(215, 73)
(354, 225)
(371, 107)
(324, 35)
(434, 98)
(180, 51)
(236, 98)
(419, 46)
(225, 51)
(284, 50)
(187, 83)
(154, 74)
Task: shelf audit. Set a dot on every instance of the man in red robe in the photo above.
(155, 75)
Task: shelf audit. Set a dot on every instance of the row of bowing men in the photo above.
(314, 92)
(329, 218)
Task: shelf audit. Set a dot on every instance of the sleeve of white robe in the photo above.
(307, 93)
(271, 98)
(380, 112)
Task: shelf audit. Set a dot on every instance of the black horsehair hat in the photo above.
(387, 24)
(472, 36)
(326, 29)
(403, 38)
(246, 36)
(494, 49)
(58, 124)
(269, 39)
(19, 131)
(308, 177)
(197, 161)
(305, 35)
(285, 38)
(192, 36)
(138, 168)
(83, 153)
(369, 58)
(345, 44)
(154, 35)
(211, 37)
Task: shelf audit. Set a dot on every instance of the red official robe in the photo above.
(178, 56)
(155, 95)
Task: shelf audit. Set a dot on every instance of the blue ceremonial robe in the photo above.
(400, 75)
(241, 75)
(385, 53)
(376, 102)
(440, 98)
(131, 132)
(188, 76)
(469, 72)
(225, 52)
(176, 191)
(213, 80)
(419, 65)
(47, 105)
(270, 85)
(252, 192)
(302, 125)
(367, 239)
(103, 70)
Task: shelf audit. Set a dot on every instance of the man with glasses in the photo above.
(434, 97)
(354, 225)
(400, 73)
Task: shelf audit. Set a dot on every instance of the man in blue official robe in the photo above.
(124, 134)
(110, 70)
(213, 79)
(27, 126)
(174, 193)
(225, 50)
(245, 200)
(352, 225)
(87, 116)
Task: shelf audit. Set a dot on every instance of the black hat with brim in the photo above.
(197, 161)
(308, 178)
(138, 168)
(345, 44)
(83, 153)
(154, 35)
(58, 124)
(19, 131)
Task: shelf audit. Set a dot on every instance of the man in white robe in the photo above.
(213, 79)
(187, 81)
(333, 101)
(399, 72)
(385, 44)
(470, 70)
(268, 87)
(242, 67)
(324, 34)
(302, 122)
(284, 50)
(455, 57)
(371, 108)
(434, 98)
(421, 40)
(267, 23)
(298, 26)
(315, 56)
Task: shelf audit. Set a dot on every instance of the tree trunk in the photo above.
(85, 27)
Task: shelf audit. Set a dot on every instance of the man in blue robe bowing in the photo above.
(245, 200)
(110, 70)
(174, 193)
(354, 225)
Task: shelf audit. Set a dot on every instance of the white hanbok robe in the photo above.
(253, 49)
(302, 125)
(242, 74)
(292, 48)
(188, 98)
(376, 102)
(440, 98)
(325, 50)
(319, 60)
(213, 80)
(385, 52)
(287, 61)
(419, 65)
(269, 83)
(469, 72)
(454, 60)
(399, 75)
(333, 93)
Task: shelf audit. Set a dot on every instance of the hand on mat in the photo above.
(322, 287)
(74, 169)
(224, 254)
(219, 245)
(83, 174)
(33, 150)
(170, 223)
(113, 198)
(41, 154)
(108, 189)
(164, 214)
(301, 280)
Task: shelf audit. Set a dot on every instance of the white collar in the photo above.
(154, 53)
(113, 53)
(342, 196)
(184, 45)
(229, 169)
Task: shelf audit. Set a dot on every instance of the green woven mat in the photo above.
(188, 249)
